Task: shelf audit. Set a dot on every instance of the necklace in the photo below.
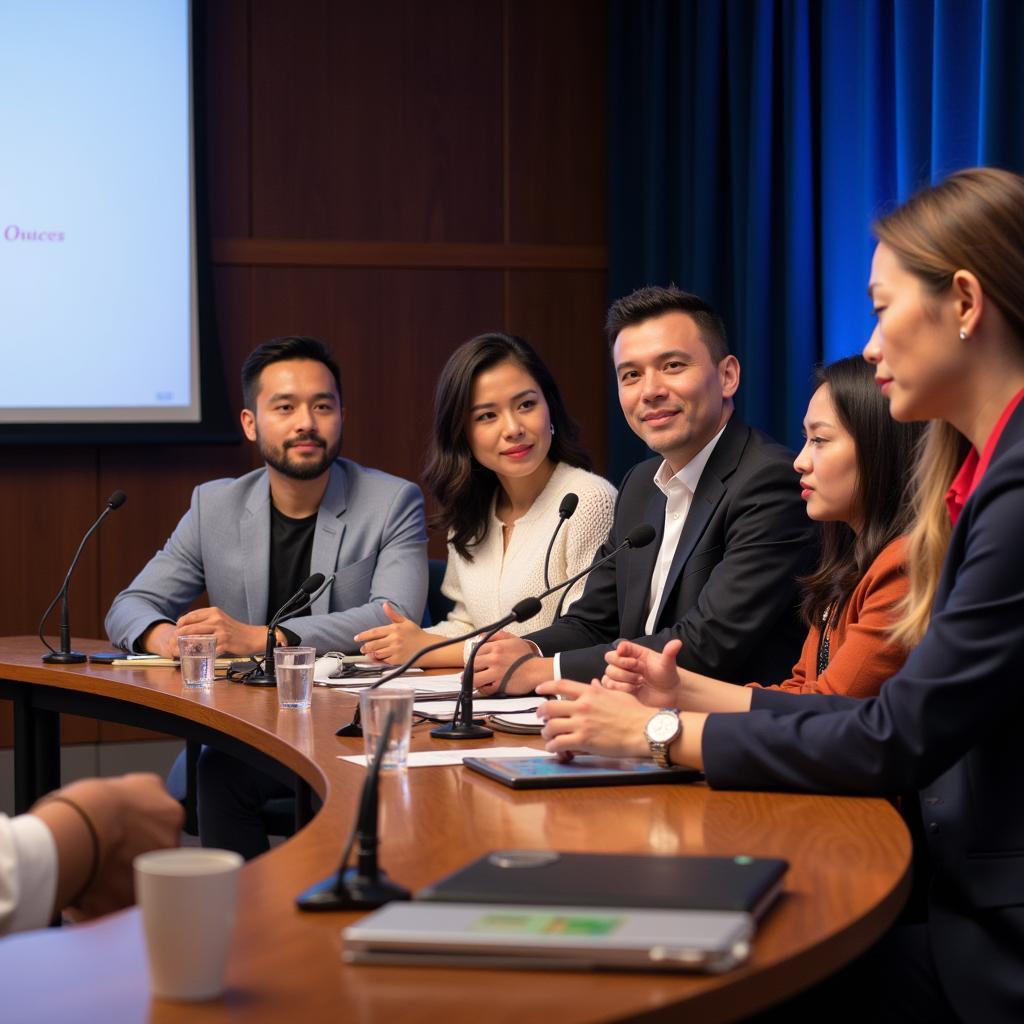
(823, 640)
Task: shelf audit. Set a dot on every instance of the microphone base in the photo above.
(260, 679)
(348, 890)
(353, 729)
(64, 658)
(473, 730)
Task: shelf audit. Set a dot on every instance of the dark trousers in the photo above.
(894, 982)
(231, 799)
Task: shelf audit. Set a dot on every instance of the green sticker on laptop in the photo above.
(514, 923)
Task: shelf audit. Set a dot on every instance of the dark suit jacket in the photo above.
(950, 725)
(731, 595)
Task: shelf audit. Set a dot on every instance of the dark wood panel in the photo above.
(377, 121)
(391, 331)
(159, 483)
(51, 497)
(557, 121)
(562, 315)
(236, 334)
(288, 252)
(225, 111)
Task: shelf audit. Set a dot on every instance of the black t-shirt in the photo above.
(291, 550)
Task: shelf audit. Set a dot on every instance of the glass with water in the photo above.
(374, 707)
(293, 667)
(198, 656)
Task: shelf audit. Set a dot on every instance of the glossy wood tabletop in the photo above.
(847, 881)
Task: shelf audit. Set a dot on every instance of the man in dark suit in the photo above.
(732, 535)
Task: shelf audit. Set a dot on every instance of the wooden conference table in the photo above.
(848, 878)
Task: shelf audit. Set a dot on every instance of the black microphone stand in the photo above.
(267, 676)
(565, 511)
(66, 656)
(520, 613)
(364, 886)
(462, 725)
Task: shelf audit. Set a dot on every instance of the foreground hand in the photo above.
(396, 642)
(593, 720)
(131, 815)
(652, 677)
(233, 637)
(494, 659)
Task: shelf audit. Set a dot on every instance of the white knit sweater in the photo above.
(486, 589)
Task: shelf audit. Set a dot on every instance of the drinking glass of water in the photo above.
(293, 667)
(198, 656)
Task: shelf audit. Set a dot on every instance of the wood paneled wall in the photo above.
(393, 177)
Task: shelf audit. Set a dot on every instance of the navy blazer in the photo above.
(731, 595)
(949, 725)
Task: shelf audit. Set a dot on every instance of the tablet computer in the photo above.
(582, 770)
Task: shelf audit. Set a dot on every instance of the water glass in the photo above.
(198, 658)
(293, 667)
(374, 708)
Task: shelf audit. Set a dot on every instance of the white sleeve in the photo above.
(28, 873)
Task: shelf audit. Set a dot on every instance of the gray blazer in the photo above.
(369, 531)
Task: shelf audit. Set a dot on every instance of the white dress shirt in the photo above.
(28, 873)
(678, 490)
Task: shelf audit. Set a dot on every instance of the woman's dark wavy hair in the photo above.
(462, 487)
(886, 451)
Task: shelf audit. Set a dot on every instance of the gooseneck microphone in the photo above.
(307, 593)
(565, 511)
(364, 886)
(524, 610)
(639, 537)
(66, 656)
(462, 726)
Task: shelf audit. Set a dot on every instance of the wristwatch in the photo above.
(661, 731)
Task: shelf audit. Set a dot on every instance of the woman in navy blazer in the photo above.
(947, 287)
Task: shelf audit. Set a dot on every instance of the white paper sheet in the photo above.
(440, 758)
(481, 706)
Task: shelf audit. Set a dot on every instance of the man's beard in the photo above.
(280, 460)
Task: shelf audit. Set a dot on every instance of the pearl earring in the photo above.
(552, 430)
(963, 334)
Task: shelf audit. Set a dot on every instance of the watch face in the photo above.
(663, 727)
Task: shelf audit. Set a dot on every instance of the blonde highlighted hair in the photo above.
(974, 220)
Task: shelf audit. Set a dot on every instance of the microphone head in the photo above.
(313, 584)
(640, 536)
(116, 500)
(526, 609)
(568, 505)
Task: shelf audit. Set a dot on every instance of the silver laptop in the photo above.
(557, 938)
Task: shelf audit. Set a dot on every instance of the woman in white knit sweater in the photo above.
(503, 455)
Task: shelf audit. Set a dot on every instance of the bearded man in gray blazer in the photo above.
(250, 543)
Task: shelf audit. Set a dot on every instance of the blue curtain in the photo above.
(753, 141)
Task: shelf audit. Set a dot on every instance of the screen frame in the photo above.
(217, 423)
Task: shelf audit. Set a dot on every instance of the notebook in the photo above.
(739, 884)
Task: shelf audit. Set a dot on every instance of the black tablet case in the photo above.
(618, 880)
(584, 770)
